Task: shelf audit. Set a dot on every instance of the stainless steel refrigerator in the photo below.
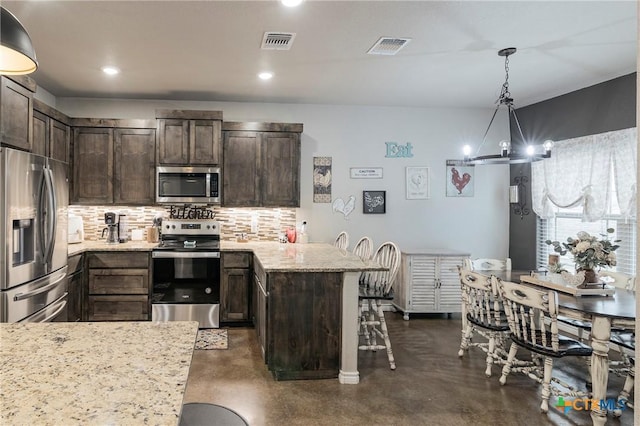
(34, 200)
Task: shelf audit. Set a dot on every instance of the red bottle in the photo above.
(291, 235)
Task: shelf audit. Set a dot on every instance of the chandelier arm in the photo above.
(484, 138)
(515, 117)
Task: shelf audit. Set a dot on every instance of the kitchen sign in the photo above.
(188, 211)
(366, 172)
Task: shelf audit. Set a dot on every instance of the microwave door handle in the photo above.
(53, 210)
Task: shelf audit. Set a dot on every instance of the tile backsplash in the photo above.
(267, 222)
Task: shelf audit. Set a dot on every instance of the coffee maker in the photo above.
(111, 220)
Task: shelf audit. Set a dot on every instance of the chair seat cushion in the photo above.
(373, 293)
(576, 323)
(566, 346)
(500, 325)
(625, 339)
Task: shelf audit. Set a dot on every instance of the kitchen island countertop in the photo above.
(94, 373)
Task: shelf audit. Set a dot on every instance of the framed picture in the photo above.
(460, 179)
(374, 202)
(417, 183)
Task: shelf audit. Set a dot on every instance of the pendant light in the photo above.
(17, 55)
(507, 154)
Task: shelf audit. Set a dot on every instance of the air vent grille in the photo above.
(388, 46)
(277, 40)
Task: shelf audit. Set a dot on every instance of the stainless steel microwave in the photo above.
(199, 185)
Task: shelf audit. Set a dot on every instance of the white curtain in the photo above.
(579, 174)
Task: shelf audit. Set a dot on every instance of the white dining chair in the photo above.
(342, 240)
(377, 288)
(363, 248)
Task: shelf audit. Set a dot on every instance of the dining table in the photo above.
(603, 312)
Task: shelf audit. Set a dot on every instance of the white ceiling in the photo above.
(210, 50)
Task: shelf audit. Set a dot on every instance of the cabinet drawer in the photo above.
(119, 281)
(118, 308)
(236, 260)
(119, 260)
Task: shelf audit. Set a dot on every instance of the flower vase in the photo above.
(590, 276)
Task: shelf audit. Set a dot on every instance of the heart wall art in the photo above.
(460, 179)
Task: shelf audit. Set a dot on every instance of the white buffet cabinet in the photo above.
(428, 282)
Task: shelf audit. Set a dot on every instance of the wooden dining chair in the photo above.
(482, 316)
(342, 240)
(626, 341)
(363, 248)
(532, 314)
(377, 288)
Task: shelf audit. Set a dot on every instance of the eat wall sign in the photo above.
(395, 150)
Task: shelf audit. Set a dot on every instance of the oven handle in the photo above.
(185, 254)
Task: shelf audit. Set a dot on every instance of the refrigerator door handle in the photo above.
(52, 219)
(43, 289)
(41, 215)
(55, 314)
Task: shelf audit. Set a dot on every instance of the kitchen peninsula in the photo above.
(304, 304)
(94, 373)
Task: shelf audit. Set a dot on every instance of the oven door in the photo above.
(186, 286)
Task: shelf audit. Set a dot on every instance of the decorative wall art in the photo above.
(321, 179)
(460, 179)
(365, 172)
(339, 205)
(417, 182)
(374, 202)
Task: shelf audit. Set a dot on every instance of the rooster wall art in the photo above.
(460, 181)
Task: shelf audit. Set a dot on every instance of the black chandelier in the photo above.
(507, 154)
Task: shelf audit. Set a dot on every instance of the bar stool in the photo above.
(342, 240)
(363, 248)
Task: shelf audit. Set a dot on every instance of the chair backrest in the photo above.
(480, 298)
(387, 255)
(618, 279)
(342, 240)
(532, 313)
(489, 264)
(363, 248)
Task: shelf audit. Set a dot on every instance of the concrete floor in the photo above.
(431, 385)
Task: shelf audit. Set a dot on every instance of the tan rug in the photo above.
(212, 338)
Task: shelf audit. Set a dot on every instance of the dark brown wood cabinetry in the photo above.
(51, 133)
(114, 165)
(298, 322)
(16, 111)
(75, 287)
(235, 287)
(261, 164)
(92, 181)
(189, 137)
(118, 286)
(134, 166)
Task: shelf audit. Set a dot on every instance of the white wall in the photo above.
(355, 136)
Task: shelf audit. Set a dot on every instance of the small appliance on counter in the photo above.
(123, 228)
(111, 220)
(75, 229)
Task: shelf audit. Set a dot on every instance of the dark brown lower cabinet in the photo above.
(74, 287)
(301, 324)
(235, 287)
(118, 286)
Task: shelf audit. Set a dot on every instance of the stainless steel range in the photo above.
(186, 273)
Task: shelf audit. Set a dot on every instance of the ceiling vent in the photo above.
(277, 41)
(388, 46)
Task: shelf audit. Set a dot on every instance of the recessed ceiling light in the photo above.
(291, 3)
(110, 70)
(265, 75)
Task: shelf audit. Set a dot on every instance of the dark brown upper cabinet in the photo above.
(113, 162)
(16, 111)
(51, 132)
(189, 137)
(261, 164)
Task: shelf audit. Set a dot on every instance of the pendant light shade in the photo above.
(17, 55)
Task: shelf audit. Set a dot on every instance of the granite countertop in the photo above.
(94, 373)
(273, 256)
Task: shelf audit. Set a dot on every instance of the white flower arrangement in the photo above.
(588, 251)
